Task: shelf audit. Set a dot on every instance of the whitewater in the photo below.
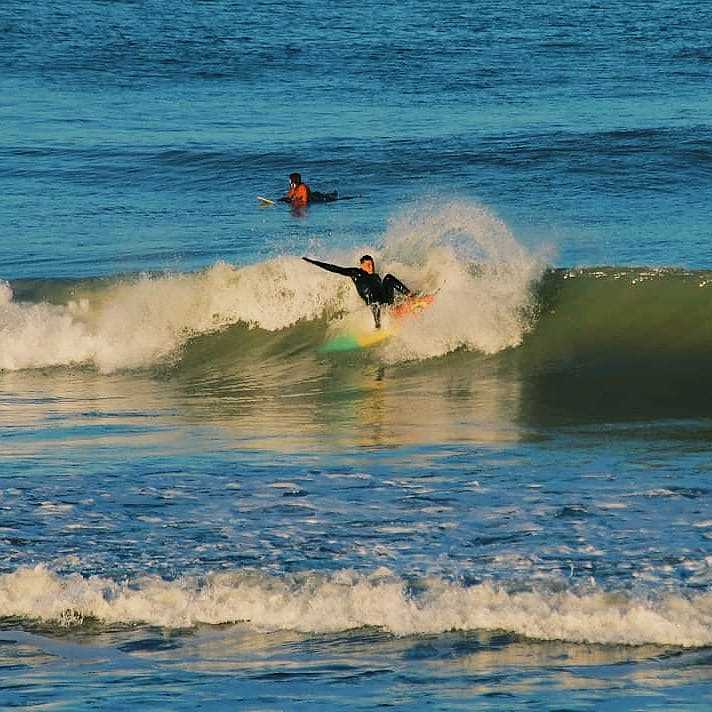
(347, 600)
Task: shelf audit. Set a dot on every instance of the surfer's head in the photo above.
(367, 264)
(295, 178)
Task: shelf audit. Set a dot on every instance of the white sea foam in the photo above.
(51, 508)
(140, 322)
(6, 293)
(347, 600)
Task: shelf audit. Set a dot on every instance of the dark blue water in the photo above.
(505, 505)
(137, 138)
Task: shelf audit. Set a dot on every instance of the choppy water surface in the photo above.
(506, 505)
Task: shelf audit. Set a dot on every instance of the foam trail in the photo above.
(347, 600)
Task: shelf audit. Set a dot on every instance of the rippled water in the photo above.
(504, 506)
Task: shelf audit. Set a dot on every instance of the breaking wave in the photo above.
(348, 600)
(493, 296)
(460, 251)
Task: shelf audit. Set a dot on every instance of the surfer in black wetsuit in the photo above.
(369, 285)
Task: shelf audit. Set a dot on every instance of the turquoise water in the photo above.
(503, 506)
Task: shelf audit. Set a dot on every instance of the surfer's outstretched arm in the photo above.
(346, 271)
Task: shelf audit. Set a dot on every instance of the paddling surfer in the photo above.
(300, 194)
(369, 285)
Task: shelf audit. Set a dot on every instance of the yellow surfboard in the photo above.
(355, 339)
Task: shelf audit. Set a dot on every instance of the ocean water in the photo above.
(504, 506)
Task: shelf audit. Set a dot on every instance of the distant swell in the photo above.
(347, 600)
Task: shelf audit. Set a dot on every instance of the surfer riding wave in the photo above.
(370, 287)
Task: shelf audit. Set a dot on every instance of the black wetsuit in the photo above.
(315, 197)
(370, 287)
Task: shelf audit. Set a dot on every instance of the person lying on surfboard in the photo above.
(369, 285)
(300, 194)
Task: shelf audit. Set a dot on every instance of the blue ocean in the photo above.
(504, 505)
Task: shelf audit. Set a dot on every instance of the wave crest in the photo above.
(347, 600)
(482, 274)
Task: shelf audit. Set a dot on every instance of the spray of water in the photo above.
(481, 275)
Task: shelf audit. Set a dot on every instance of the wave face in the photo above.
(561, 320)
(346, 600)
(624, 316)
